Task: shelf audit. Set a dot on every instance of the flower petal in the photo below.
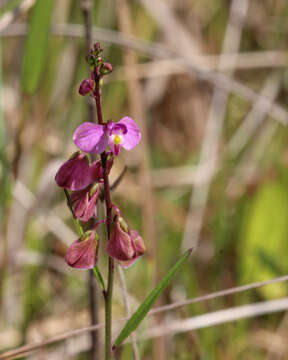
(84, 203)
(90, 138)
(119, 245)
(97, 171)
(74, 174)
(91, 209)
(138, 243)
(80, 200)
(133, 135)
(82, 254)
(139, 248)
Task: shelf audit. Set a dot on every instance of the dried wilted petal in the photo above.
(82, 253)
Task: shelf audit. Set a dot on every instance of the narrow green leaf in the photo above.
(99, 278)
(143, 309)
(35, 52)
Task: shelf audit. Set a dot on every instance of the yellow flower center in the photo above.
(117, 140)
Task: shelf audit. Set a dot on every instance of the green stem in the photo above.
(108, 309)
(109, 292)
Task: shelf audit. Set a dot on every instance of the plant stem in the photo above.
(109, 291)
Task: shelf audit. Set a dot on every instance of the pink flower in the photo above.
(84, 202)
(82, 253)
(125, 245)
(86, 86)
(75, 173)
(93, 138)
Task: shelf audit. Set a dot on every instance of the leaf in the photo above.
(143, 309)
(35, 54)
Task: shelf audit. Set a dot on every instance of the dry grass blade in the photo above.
(128, 310)
(10, 16)
(220, 317)
(155, 50)
(211, 141)
(256, 116)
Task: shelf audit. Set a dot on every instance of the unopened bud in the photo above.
(106, 68)
(86, 86)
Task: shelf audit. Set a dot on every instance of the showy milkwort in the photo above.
(83, 180)
(94, 138)
(85, 183)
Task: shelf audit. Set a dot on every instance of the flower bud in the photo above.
(86, 86)
(82, 253)
(75, 173)
(106, 68)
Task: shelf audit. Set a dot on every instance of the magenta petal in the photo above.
(90, 138)
(97, 171)
(91, 209)
(133, 135)
(82, 254)
(119, 245)
(138, 243)
(80, 200)
(127, 263)
(74, 174)
(139, 248)
(84, 204)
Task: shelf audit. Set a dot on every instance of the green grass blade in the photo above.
(35, 52)
(143, 309)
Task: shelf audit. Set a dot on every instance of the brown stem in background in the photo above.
(138, 112)
(86, 6)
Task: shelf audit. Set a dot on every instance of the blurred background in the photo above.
(207, 83)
